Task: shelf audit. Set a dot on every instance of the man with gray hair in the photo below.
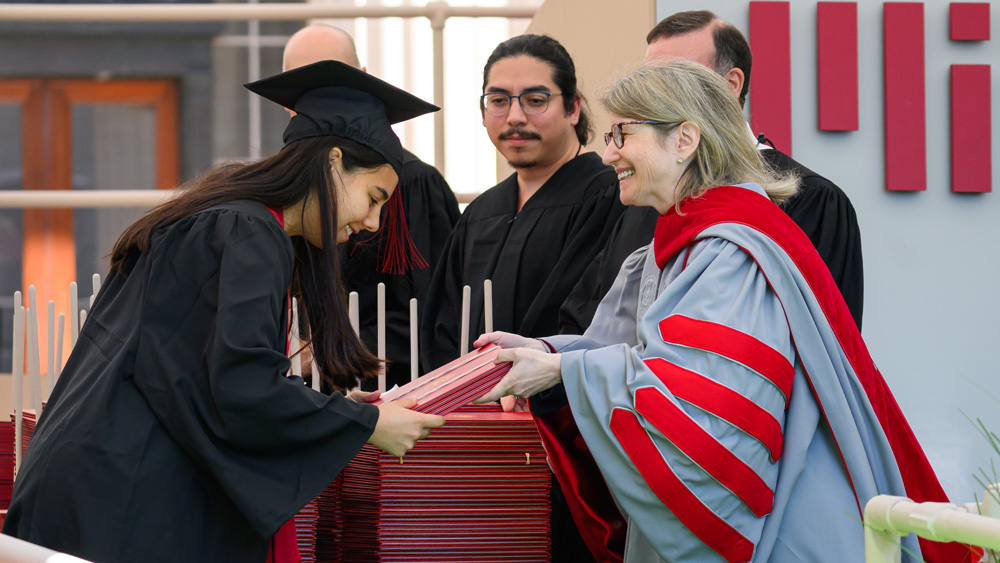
(429, 208)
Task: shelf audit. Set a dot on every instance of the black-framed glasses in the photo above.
(618, 136)
(532, 103)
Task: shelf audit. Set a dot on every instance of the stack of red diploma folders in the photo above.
(330, 525)
(28, 420)
(476, 489)
(6, 466)
(455, 384)
(305, 530)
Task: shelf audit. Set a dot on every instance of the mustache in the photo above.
(515, 132)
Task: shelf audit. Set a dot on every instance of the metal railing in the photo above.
(48, 199)
(436, 12)
(77, 199)
(13, 550)
(889, 518)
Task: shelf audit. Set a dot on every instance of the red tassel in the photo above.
(395, 246)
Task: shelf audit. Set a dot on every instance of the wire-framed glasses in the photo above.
(618, 136)
(532, 103)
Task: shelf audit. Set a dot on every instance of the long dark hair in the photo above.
(551, 52)
(299, 171)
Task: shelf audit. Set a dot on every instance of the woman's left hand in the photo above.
(532, 372)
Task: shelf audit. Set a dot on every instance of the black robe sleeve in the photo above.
(439, 328)
(534, 255)
(210, 365)
(590, 231)
(633, 229)
(825, 213)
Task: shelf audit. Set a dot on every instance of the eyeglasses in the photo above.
(532, 103)
(618, 136)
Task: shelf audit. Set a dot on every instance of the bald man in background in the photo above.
(319, 42)
(428, 204)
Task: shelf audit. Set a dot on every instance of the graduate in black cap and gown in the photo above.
(173, 433)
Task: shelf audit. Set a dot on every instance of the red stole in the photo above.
(284, 546)
(730, 204)
(588, 497)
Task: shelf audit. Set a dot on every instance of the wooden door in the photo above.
(86, 134)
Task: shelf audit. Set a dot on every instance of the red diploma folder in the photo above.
(454, 384)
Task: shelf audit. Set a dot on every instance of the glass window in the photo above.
(114, 148)
(10, 226)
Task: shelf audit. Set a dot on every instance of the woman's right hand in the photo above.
(398, 428)
(508, 340)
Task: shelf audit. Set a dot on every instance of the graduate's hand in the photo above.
(359, 396)
(508, 340)
(398, 428)
(532, 372)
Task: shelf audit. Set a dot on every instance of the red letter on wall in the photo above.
(971, 170)
(771, 87)
(969, 21)
(837, 65)
(905, 117)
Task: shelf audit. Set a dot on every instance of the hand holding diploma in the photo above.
(359, 396)
(508, 340)
(398, 428)
(534, 369)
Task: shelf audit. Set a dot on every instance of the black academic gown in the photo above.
(172, 434)
(533, 257)
(821, 209)
(826, 215)
(431, 212)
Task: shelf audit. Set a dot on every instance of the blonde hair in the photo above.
(685, 91)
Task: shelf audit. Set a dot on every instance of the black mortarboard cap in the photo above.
(331, 98)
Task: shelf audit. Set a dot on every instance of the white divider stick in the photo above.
(83, 317)
(18, 377)
(27, 357)
(315, 375)
(74, 321)
(34, 361)
(293, 340)
(466, 298)
(488, 304)
(20, 551)
(51, 359)
(352, 312)
(59, 349)
(414, 348)
(381, 336)
(96, 278)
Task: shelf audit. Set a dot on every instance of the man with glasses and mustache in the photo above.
(821, 208)
(534, 233)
